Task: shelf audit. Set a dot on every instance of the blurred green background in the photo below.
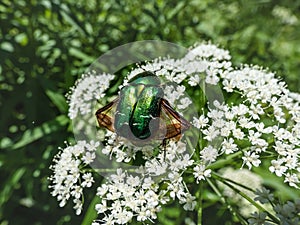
(46, 45)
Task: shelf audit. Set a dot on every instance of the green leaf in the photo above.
(5, 142)
(169, 215)
(71, 20)
(7, 46)
(91, 213)
(81, 55)
(278, 184)
(58, 100)
(22, 39)
(173, 11)
(46, 128)
(10, 183)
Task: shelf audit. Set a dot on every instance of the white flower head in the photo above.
(201, 173)
(251, 159)
(86, 91)
(68, 179)
(260, 119)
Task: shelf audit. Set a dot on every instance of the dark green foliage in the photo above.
(46, 45)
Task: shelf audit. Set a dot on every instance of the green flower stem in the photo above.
(227, 182)
(223, 200)
(223, 162)
(202, 85)
(219, 177)
(191, 146)
(200, 205)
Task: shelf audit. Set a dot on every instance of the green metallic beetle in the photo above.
(142, 114)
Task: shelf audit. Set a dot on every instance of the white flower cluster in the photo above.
(203, 61)
(266, 119)
(126, 196)
(87, 89)
(259, 118)
(69, 179)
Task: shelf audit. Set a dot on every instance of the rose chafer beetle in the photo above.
(141, 113)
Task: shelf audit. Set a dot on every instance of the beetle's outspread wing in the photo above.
(105, 115)
(175, 124)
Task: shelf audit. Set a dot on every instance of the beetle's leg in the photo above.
(164, 144)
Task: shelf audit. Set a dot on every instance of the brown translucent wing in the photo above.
(105, 115)
(175, 124)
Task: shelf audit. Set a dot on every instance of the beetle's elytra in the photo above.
(142, 114)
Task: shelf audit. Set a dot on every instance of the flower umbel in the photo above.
(256, 126)
(69, 178)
